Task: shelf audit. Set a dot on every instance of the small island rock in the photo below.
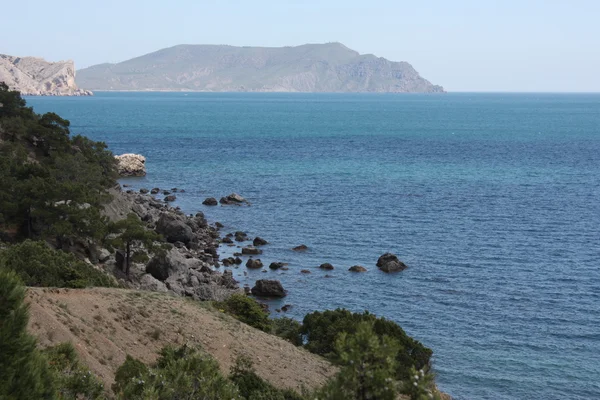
(357, 268)
(131, 165)
(268, 288)
(389, 263)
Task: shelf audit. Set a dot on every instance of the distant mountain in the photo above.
(35, 76)
(330, 67)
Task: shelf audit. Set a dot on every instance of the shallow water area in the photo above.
(492, 200)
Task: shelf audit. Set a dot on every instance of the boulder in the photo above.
(268, 288)
(254, 263)
(241, 236)
(357, 268)
(144, 191)
(389, 263)
(103, 255)
(305, 271)
(174, 229)
(326, 266)
(170, 198)
(233, 199)
(226, 240)
(219, 225)
(131, 165)
(155, 191)
(302, 247)
(237, 261)
(210, 201)
(162, 266)
(148, 282)
(250, 250)
(276, 265)
(286, 307)
(258, 241)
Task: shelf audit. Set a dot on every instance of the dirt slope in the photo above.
(106, 324)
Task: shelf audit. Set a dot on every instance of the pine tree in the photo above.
(132, 231)
(24, 372)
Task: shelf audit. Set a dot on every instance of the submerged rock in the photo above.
(302, 247)
(389, 263)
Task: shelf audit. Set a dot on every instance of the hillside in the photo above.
(105, 325)
(35, 76)
(330, 67)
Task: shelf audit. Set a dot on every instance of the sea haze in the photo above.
(493, 200)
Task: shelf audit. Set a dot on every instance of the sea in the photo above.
(491, 199)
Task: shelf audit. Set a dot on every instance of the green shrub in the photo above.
(127, 372)
(73, 382)
(24, 372)
(369, 366)
(321, 329)
(180, 373)
(288, 329)
(247, 310)
(39, 265)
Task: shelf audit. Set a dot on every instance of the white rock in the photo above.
(131, 165)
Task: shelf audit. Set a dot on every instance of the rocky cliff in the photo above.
(330, 67)
(37, 77)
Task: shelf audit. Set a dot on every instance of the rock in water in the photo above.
(250, 250)
(210, 201)
(302, 247)
(233, 199)
(326, 266)
(268, 288)
(277, 265)
(131, 165)
(357, 268)
(254, 263)
(258, 241)
(389, 263)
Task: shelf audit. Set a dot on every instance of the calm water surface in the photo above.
(493, 200)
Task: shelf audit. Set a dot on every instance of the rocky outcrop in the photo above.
(131, 165)
(328, 67)
(268, 288)
(36, 77)
(233, 199)
(389, 263)
(174, 228)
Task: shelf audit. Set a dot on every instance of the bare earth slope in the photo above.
(105, 325)
(35, 76)
(330, 67)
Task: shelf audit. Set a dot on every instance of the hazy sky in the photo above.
(478, 45)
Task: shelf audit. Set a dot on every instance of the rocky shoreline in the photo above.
(189, 266)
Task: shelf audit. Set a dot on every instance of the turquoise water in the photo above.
(493, 200)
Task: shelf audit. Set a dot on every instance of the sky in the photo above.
(463, 45)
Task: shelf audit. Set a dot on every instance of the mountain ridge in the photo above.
(329, 67)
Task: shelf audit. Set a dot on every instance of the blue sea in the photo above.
(492, 200)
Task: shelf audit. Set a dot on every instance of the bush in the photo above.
(180, 373)
(321, 329)
(39, 265)
(73, 382)
(288, 329)
(247, 310)
(369, 366)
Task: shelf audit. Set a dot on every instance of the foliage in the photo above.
(420, 386)
(73, 382)
(129, 232)
(39, 265)
(253, 387)
(369, 366)
(127, 372)
(247, 310)
(180, 373)
(53, 184)
(24, 372)
(321, 330)
(288, 329)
